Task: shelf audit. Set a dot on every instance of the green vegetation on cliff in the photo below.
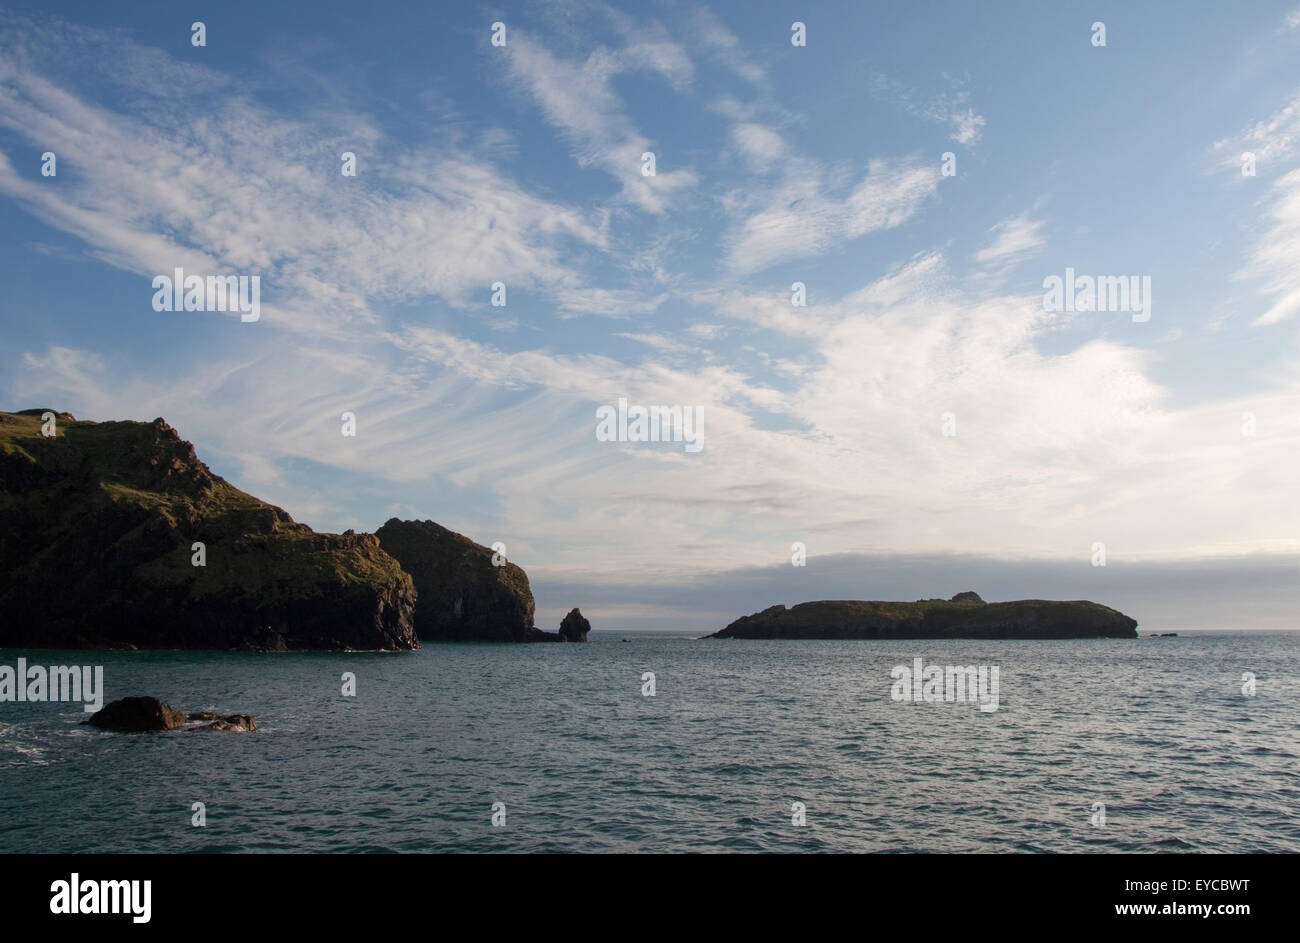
(97, 531)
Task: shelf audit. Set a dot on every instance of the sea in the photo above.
(658, 742)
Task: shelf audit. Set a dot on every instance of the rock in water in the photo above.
(463, 595)
(99, 532)
(575, 627)
(136, 714)
(955, 618)
(241, 723)
(132, 714)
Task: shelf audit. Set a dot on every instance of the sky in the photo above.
(924, 424)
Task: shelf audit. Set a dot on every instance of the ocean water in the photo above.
(1156, 729)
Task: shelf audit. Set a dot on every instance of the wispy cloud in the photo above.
(577, 98)
(951, 108)
(1271, 262)
(814, 208)
(242, 188)
(1272, 140)
(1274, 257)
(722, 43)
(1013, 240)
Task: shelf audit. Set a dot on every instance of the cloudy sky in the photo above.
(1173, 441)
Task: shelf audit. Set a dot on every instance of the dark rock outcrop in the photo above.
(97, 526)
(575, 627)
(132, 714)
(137, 714)
(463, 596)
(955, 618)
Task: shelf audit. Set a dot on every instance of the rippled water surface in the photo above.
(1156, 729)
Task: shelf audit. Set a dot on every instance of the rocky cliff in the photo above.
(462, 595)
(97, 531)
(963, 616)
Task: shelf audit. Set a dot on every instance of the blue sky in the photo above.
(774, 164)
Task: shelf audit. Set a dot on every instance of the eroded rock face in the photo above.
(574, 627)
(462, 595)
(956, 618)
(140, 714)
(98, 533)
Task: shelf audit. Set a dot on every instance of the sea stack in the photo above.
(575, 627)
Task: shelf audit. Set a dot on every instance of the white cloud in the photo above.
(950, 108)
(829, 434)
(245, 190)
(762, 146)
(1272, 261)
(725, 47)
(967, 125)
(1013, 240)
(578, 99)
(662, 343)
(1271, 140)
(1053, 450)
(650, 47)
(604, 302)
(1274, 257)
(809, 212)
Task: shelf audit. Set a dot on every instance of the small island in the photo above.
(965, 615)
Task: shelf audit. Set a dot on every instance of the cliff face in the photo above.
(96, 533)
(964, 616)
(462, 595)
